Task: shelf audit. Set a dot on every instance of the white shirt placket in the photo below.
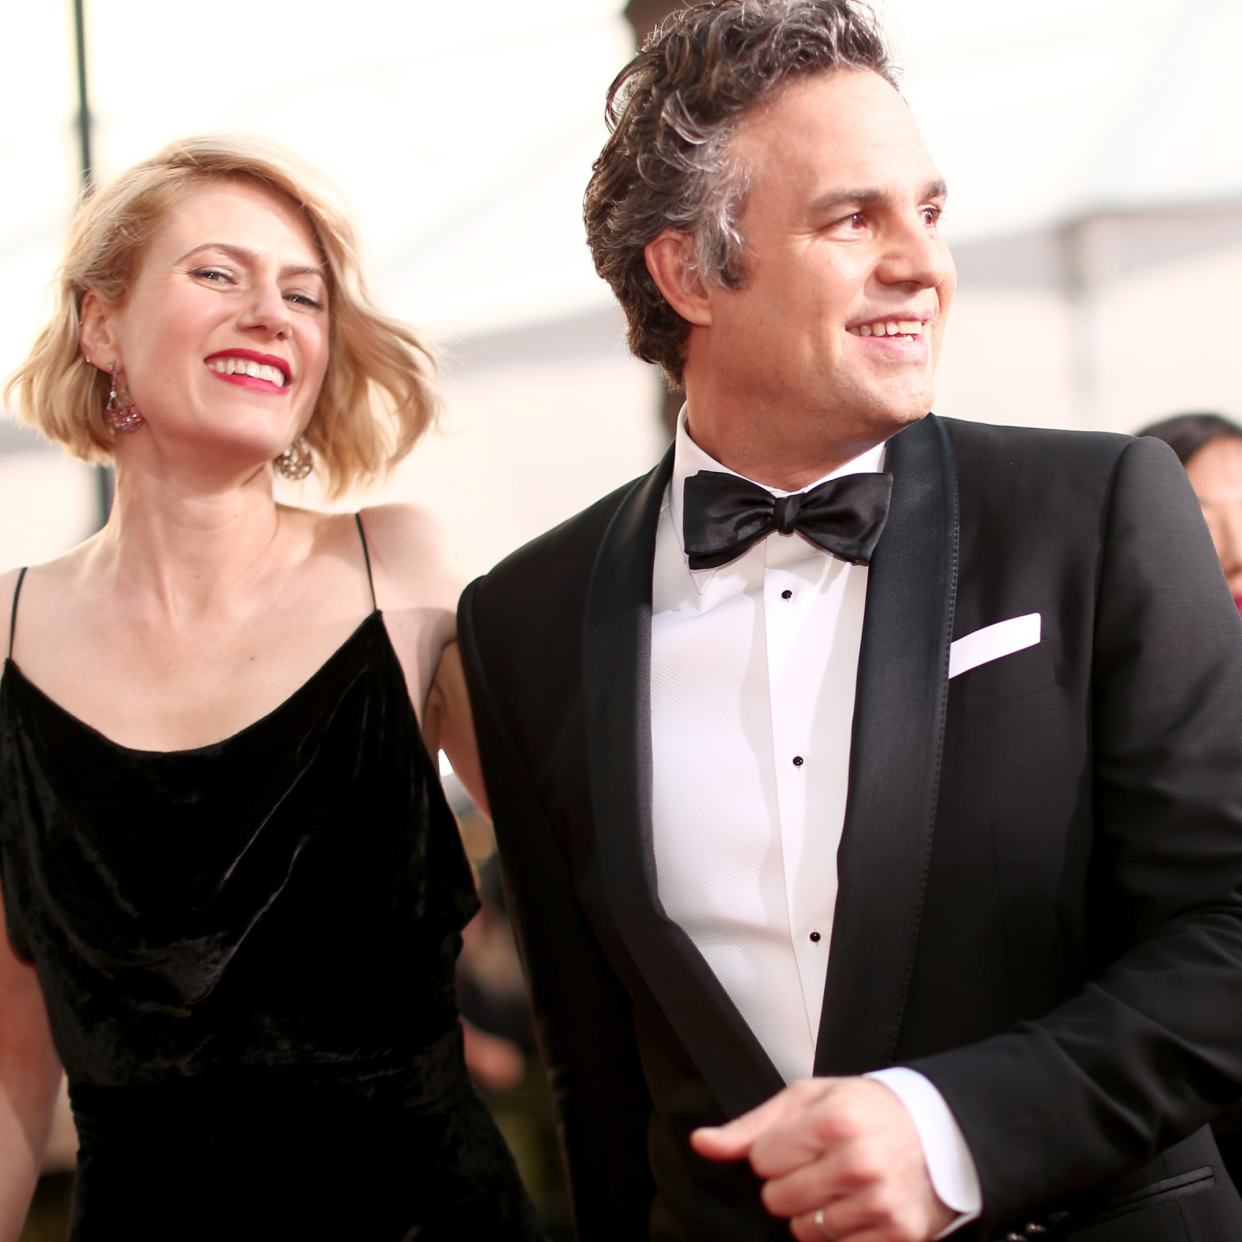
(744, 680)
(813, 609)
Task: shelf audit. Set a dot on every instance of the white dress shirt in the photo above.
(753, 670)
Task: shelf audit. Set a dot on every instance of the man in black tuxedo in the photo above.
(868, 785)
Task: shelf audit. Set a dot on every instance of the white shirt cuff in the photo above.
(950, 1166)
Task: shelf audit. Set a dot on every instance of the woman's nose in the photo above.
(267, 311)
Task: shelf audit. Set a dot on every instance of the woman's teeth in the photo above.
(243, 366)
(889, 327)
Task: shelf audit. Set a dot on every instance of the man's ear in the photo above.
(96, 333)
(671, 262)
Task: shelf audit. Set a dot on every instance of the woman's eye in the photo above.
(212, 273)
(304, 299)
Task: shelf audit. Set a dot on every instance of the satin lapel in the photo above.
(617, 699)
(898, 736)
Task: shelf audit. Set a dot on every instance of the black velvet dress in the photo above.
(247, 952)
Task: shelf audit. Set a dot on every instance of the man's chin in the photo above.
(888, 421)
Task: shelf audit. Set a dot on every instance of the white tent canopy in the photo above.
(464, 137)
(1088, 145)
(1043, 113)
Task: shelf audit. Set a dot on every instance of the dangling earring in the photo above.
(123, 418)
(295, 462)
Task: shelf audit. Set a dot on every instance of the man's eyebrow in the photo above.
(248, 256)
(866, 198)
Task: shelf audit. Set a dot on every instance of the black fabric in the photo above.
(724, 515)
(1066, 940)
(616, 657)
(896, 754)
(247, 952)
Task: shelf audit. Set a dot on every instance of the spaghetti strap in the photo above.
(17, 590)
(366, 556)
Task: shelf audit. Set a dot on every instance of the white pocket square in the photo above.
(994, 641)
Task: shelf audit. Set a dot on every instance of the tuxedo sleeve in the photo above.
(584, 1016)
(1151, 1048)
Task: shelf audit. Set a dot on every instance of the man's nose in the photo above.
(915, 256)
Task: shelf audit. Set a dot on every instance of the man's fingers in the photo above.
(851, 1153)
(808, 1187)
(847, 1221)
(733, 1140)
(838, 1227)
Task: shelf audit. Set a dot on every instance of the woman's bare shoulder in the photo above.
(58, 580)
(419, 574)
(415, 559)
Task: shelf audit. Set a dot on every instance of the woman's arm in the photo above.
(449, 726)
(418, 578)
(29, 1078)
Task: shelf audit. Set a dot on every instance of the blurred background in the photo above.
(1093, 150)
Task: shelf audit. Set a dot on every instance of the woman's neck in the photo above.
(179, 545)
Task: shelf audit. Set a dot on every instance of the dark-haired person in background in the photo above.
(851, 739)
(1210, 447)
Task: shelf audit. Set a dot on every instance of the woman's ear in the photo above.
(97, 333)
(671, 262)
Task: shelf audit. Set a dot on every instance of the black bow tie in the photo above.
(725, 515)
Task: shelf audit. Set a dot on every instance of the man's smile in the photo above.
(888, 327)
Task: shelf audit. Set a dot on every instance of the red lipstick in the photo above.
(250, 381)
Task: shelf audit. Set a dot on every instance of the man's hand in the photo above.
(840, 1157)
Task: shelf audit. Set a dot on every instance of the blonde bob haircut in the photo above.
(379, 393)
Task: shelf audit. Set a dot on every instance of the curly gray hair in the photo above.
(673, 112)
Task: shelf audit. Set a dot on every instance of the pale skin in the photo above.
(203, 604)
(841, 230)
(1215, 472)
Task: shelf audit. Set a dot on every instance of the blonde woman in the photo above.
(233, 889)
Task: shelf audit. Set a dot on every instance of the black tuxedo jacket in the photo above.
(1040, 902)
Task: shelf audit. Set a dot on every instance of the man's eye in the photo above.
(853, 223)
(932, 215)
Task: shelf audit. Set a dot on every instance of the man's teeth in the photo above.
(243, 366)
(890, 327)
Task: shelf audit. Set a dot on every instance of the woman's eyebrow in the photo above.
(248, 256)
